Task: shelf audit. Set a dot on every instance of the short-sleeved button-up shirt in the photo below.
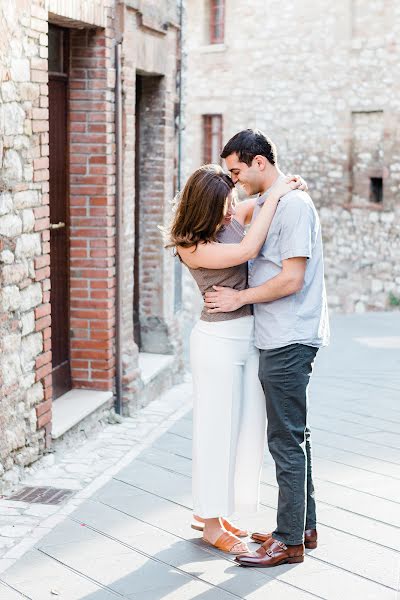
(302, 317)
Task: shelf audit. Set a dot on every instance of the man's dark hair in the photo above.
(247, 144)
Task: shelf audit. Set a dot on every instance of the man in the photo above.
(286, 286)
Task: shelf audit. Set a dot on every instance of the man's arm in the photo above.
(289, 281)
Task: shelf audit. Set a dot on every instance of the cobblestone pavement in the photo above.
(83, 469)
(125, 533)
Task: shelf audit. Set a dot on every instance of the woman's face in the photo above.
(229, 209)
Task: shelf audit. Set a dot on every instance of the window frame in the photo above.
(217, 21)
(208, 133)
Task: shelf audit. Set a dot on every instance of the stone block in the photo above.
(31, 296)
(20, 69)
(28, 173)
(6, 203)
(10, 226)
(12, 168)
(8, 91)
(28, 322)
(14, 273)
(7, 257)
(14, 117)
(10, 368)
(10, 298)
(28, 220)
(29, 91)
(26, 199)
(10, 342)
(34, 395)
(376, 286)
(31, 346)
(28, 245)
(21, 142)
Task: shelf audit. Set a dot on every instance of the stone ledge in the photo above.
(74, 406)
(151, 365)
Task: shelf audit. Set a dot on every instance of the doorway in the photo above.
(59, 238)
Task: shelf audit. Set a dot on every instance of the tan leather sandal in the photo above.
(227, 542)
(242, 533)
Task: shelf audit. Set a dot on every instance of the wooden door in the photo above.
(59, 239)
(136, 282)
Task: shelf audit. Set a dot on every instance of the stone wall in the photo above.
(24, 248)
(149, 35)
(323, 82)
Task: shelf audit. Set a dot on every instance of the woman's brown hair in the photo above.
(200, 208)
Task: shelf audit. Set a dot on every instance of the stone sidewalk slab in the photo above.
(126, 534)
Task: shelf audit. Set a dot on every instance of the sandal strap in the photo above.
(235, 530)
(227, 541)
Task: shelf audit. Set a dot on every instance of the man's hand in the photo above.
(223, 299)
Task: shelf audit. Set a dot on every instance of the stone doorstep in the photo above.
(74, 406)
(151, 365)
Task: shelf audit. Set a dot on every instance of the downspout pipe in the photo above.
(180, 100)
(178, 265)
(119, 229)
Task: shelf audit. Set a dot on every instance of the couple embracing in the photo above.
(253, 349)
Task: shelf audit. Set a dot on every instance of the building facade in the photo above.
(89, 299)
(322, 80)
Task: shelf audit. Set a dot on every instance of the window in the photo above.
(212, 138)
(217, 21)
(376, 190)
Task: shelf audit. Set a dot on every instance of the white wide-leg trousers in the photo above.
(229, 418)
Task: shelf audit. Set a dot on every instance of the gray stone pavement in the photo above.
(126, 534)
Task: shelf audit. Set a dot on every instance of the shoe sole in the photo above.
(286, 561)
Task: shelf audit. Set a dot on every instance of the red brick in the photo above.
(42, 311)
(43, 371)
(46, 333)
(48, 392)
(43, 323)
(43, 407)
(39, 77)
(43, 359)
(41, 274)
(41, 163)
(40, 113)
(44, 419)
(42, 261)
(41, 211)
(42, 175)
(40, 125)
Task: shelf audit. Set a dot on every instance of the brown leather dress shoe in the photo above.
(310, 538)
(271, 554)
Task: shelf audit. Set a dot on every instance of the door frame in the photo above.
(63, 76)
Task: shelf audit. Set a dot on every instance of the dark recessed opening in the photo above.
(376, 190)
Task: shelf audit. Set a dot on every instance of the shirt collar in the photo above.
(262, 197)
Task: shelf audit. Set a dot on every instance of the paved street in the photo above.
(127, 534)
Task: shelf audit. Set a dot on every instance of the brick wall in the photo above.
(92, 208)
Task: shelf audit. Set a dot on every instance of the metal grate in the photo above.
(41, 495)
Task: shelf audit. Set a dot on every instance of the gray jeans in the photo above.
(285, 374)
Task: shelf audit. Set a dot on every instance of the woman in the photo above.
(229, 406)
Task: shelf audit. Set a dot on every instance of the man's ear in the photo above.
(260, 161)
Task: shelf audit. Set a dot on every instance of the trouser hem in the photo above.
(281, 538)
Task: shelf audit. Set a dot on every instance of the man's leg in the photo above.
(284, 374)
(311, 515)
